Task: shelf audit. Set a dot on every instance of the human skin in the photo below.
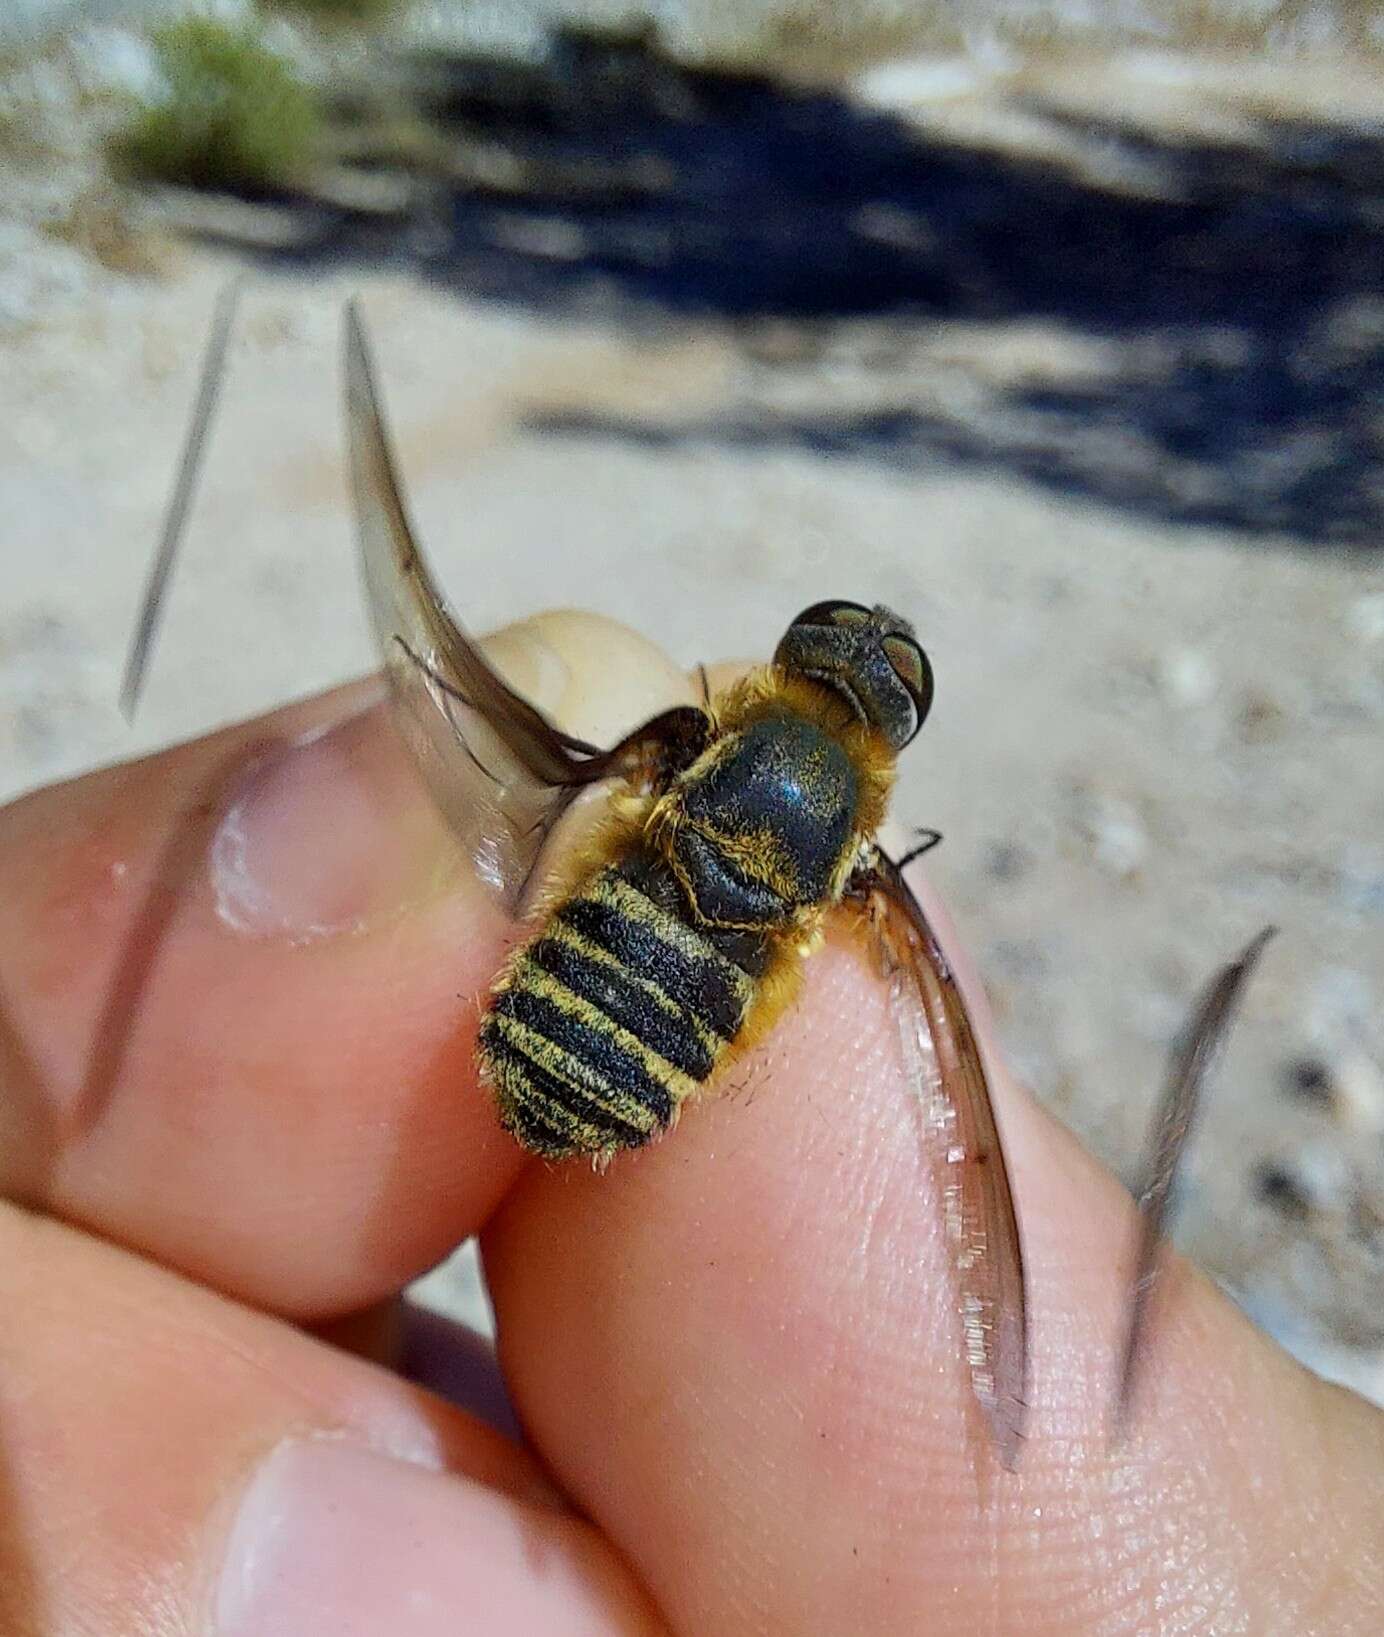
(238, 1102)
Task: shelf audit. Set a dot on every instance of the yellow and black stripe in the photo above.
(610, 1018)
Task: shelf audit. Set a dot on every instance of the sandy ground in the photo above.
(1159, 722)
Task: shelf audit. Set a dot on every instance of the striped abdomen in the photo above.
(613, 1015)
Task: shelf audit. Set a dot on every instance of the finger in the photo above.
(239, 987)
(171, 1462)
(740, 1350)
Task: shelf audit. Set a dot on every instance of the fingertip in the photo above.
(331, 1537)
(283, 1489)
(596, 677)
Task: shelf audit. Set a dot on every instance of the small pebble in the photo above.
(1360, 1093)
(1324, 1174)
(1188, 678)
(1007, 860)
(1276, 1185)
(1260, 718)
(1119, 842)
(1311, 1080)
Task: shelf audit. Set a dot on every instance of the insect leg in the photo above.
(929, 840)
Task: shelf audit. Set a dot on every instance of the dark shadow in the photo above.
(29, 1146)
(28, 1127)
(1062, 443)
(608, 180)
(457, 1364)
(178, 865)
(34, 1130)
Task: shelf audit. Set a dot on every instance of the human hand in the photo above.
(238, 988)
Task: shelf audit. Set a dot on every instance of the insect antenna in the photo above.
(184, 487)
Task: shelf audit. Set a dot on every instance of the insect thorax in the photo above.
(763, 825)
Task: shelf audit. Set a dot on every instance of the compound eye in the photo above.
(833, 612)
(912, 667)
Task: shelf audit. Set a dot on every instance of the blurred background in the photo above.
(1057, 325)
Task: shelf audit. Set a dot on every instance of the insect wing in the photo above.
(1192, 1061)
(501, 772)
(943, 1056)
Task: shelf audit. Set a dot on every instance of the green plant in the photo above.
(233, 113)
(340, 13)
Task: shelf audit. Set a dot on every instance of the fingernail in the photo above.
(325, 833)
(332, 1539)
(328, 832)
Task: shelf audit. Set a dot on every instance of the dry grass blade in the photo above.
(184, 487)
(1192, 1063)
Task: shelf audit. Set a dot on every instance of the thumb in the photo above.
(238, 990)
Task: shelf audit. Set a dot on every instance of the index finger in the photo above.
(239, 985)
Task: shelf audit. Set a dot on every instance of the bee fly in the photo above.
(676, 933)
(684, 933)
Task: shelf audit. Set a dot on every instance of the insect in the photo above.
(675, 934)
